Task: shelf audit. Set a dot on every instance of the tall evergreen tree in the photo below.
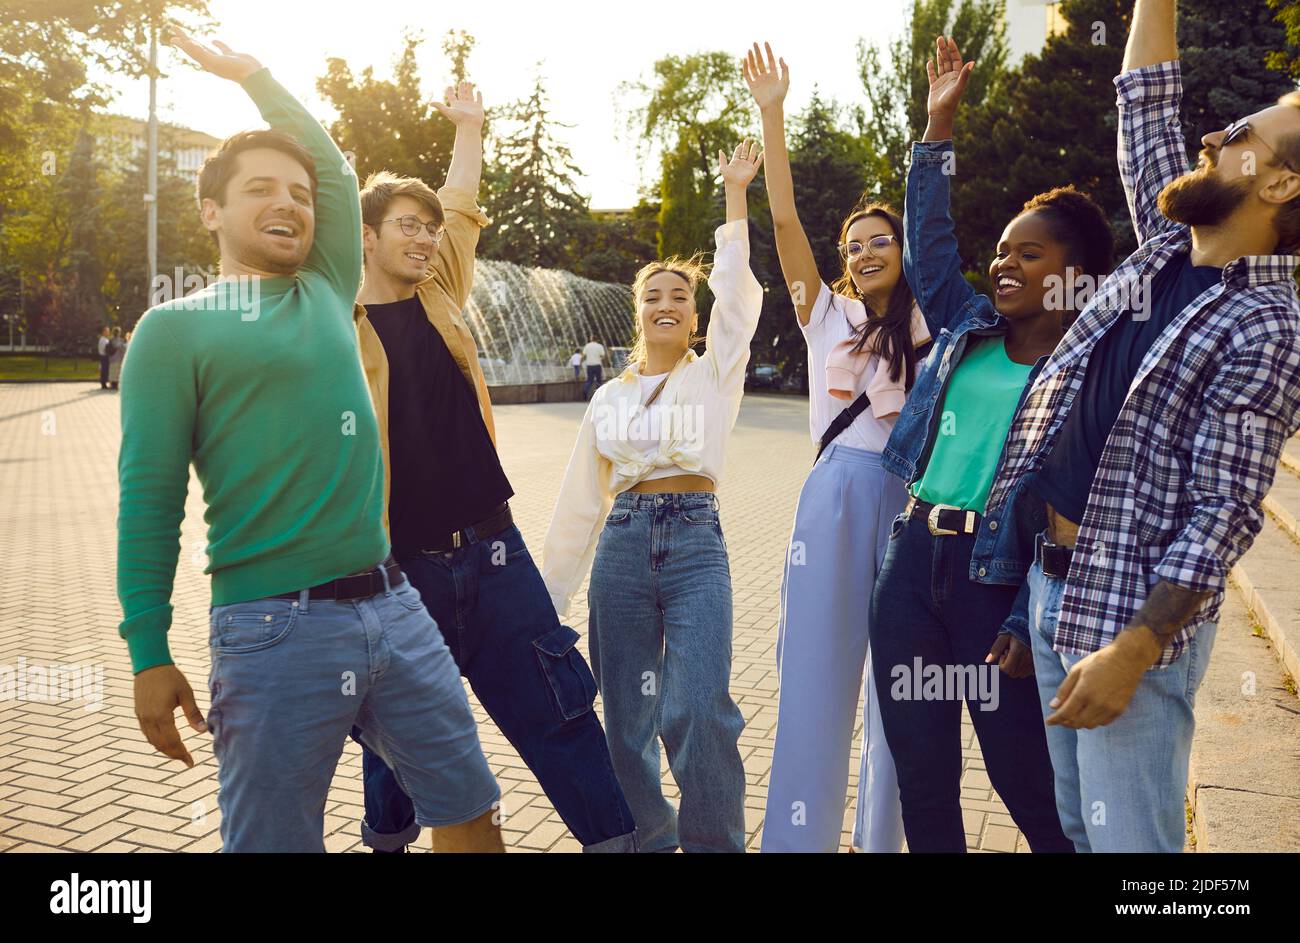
(534, 200)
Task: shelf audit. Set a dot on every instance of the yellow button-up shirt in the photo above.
(443, 295)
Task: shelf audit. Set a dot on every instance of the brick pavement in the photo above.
(85, 780)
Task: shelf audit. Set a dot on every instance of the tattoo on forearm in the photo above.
(1167, 609)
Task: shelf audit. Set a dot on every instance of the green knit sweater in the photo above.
(259, 384)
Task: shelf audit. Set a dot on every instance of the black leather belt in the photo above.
(944, 519)
(496, 522)
(357, 586)
(1054, 558)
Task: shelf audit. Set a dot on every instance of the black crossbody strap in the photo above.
(842, 422)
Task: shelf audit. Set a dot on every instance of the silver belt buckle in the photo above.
(933, 521)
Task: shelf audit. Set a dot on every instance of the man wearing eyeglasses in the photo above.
(447, 501)
(1152, 435)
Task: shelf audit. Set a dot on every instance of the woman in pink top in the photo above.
(862, 333)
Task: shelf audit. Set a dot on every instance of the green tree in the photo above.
(533, 199)
(693, 107)
(896, 92)
(1225, 51)
(1287, 13)
(389, 124)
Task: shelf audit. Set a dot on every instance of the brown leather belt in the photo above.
(494, 523)
(943, 519)
(357, 586)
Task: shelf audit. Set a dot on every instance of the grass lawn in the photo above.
(34, 367)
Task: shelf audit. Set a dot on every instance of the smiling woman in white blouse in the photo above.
(639, 496)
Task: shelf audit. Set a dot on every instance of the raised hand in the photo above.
(743, 166)
(464, 105)
(222, 61)
(948, 77)
(765, 83)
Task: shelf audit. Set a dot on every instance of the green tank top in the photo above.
(975, 415)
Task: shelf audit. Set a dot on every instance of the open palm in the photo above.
(743, 166)
(948, 77)
(766, 83)
(221, 61)
(464, 105)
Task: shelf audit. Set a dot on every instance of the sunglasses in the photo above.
(1240, 129)
(877, 244)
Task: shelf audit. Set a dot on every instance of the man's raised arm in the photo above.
(1151, 149)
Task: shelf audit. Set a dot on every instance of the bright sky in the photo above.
(586, 49)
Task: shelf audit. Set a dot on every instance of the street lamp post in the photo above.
(151, 197)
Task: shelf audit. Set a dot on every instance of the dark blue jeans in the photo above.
(496, 617)
(595, 376)
(930, 629)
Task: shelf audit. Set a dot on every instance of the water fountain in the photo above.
(529, 321)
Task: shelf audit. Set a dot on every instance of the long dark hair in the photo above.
(894, 325)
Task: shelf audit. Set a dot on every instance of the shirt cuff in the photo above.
(931, 152)
(456, 200)
(1155, 82)
(887, 402)
(734, 231)
(146, 638)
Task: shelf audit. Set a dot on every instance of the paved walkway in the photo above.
(78, 779)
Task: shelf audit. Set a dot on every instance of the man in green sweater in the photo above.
(314, 629)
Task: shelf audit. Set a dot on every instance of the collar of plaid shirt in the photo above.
(1140, 526)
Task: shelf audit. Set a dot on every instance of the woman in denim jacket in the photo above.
(939, 616)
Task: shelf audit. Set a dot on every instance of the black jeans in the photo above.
(494, 612)
(931, 628)
(103, 371)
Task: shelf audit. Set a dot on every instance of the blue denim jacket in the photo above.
(1004, 545)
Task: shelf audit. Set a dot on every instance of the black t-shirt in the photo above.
(1066, 476)
(445, 472)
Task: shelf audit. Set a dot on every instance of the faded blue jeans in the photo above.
(1120, 787)
(291, 677)
(660, 644)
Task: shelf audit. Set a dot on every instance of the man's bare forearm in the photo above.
(1152, 36)
(466, 166)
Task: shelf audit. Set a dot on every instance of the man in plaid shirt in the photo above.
(1152, 435)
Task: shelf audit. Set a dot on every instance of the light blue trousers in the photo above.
(841, 530)
(1120, 787)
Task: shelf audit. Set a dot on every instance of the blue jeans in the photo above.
(594, 378)
(928, 616)
(841, 531)
(493, 609)
(1120, 787)
(290, 677)
(660, 621)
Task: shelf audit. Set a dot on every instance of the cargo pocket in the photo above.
(573, 687)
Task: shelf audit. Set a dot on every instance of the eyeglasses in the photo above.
(1240, 128)
(411, 225)
(877, 244)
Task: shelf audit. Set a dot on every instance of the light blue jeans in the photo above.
(290, 679)
(841, 531)
(660, 644)
(1120, 787)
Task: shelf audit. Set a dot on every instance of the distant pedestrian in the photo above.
(576, 363)
(593, 355)
(104, 345)
(116, 353)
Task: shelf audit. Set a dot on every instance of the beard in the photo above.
(266, 259)
(1200, 199)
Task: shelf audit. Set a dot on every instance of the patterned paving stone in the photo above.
(76, 774)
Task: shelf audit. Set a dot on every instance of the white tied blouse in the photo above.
(700, 403)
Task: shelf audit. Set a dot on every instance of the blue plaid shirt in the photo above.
(1181, 480)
